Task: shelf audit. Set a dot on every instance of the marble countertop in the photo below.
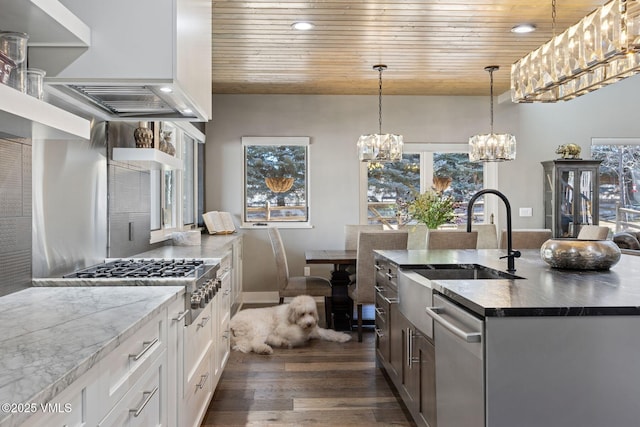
(543, 291)
(211, 246)
(51, 336)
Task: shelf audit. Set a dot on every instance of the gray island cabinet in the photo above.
(550, 348)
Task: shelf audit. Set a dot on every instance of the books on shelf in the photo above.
(219, 222)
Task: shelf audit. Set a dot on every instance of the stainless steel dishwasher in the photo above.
(458, 338)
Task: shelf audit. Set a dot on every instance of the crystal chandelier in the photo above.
(492, 147)
(380, 147)
(603, 48)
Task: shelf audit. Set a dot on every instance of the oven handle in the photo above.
(434, 313)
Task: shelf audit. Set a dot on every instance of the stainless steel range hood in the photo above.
(132, 101)
(154, 64)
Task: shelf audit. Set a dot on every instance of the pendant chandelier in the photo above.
(492, 147)
(603, 48)
(380, 147)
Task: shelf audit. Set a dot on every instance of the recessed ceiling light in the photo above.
(187, 111)
(166, 89)
(303, 26)
(523, 28)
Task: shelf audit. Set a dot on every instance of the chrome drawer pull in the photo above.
(379, 312)
(203, 380)
(378, 267)
(204, 321)
(137, 412)
(181, 316)
(148, 345)
(378, 289)
(379, 333)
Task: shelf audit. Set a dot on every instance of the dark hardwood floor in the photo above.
(321, 384)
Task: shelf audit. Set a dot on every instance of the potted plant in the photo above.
(432, 208)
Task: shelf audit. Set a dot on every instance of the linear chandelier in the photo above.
(603, 48)
(380, 147)
(492, 147)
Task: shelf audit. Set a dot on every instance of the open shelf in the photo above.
(148, 158)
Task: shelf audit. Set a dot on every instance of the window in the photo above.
(619, 192)
(391, 185)
(173, 192)
(276, 181)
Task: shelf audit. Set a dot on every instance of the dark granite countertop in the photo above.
(543, 291)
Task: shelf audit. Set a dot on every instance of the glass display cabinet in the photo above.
(570, 195)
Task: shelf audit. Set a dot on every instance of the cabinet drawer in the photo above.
(224, 305)
(142, 405)
(222, 347)
(127, 362)
(198, 342)
(198, 392)
(66, 409)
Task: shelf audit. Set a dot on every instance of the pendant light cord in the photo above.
(553, 17)
(380, 68)
(491, 70)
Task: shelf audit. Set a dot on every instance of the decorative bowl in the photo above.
(575, 254)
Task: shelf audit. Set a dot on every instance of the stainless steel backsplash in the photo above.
(69, 204)
(85, 204)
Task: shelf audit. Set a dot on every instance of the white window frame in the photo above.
(277, 140)
(426, 150)
(180, 130)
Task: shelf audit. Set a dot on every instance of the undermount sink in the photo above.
(462, 272)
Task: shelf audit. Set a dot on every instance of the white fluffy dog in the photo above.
(286, 325)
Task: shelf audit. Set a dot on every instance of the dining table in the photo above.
(341, 304)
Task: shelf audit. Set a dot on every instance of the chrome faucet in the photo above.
(511, 254)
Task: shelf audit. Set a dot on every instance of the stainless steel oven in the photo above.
(198, 276)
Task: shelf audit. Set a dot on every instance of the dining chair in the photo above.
(451, 239)
(526, 238)
(351, 232)
(487, 235)
(362, 290)
(291, 286)
(593, 232)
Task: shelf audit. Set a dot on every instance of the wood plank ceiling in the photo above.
(431, 47)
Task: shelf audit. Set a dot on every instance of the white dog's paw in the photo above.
(342, 337)
(262, 349)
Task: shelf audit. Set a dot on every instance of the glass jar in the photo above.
(35, 82)
(14, 45)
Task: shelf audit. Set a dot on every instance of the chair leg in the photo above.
(281, 300)
(359, 322)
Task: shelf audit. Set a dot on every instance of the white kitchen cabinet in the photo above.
(145, 403)
(223, 308)
(56, 32)
(175, 360)
(198, 392)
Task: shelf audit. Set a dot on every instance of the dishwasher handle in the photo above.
(434, 313)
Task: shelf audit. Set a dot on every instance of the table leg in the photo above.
(341, 304)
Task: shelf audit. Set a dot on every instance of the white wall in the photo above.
(334, 124)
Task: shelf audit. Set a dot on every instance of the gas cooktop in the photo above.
(141, 268)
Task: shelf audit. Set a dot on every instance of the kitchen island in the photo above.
(554, 347)
(55, 337)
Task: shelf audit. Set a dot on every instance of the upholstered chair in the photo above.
(593, 232)
(526, 238)
(451, 239)
(291, 286)
(487, 235)
(362, 290)
(351, 232)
